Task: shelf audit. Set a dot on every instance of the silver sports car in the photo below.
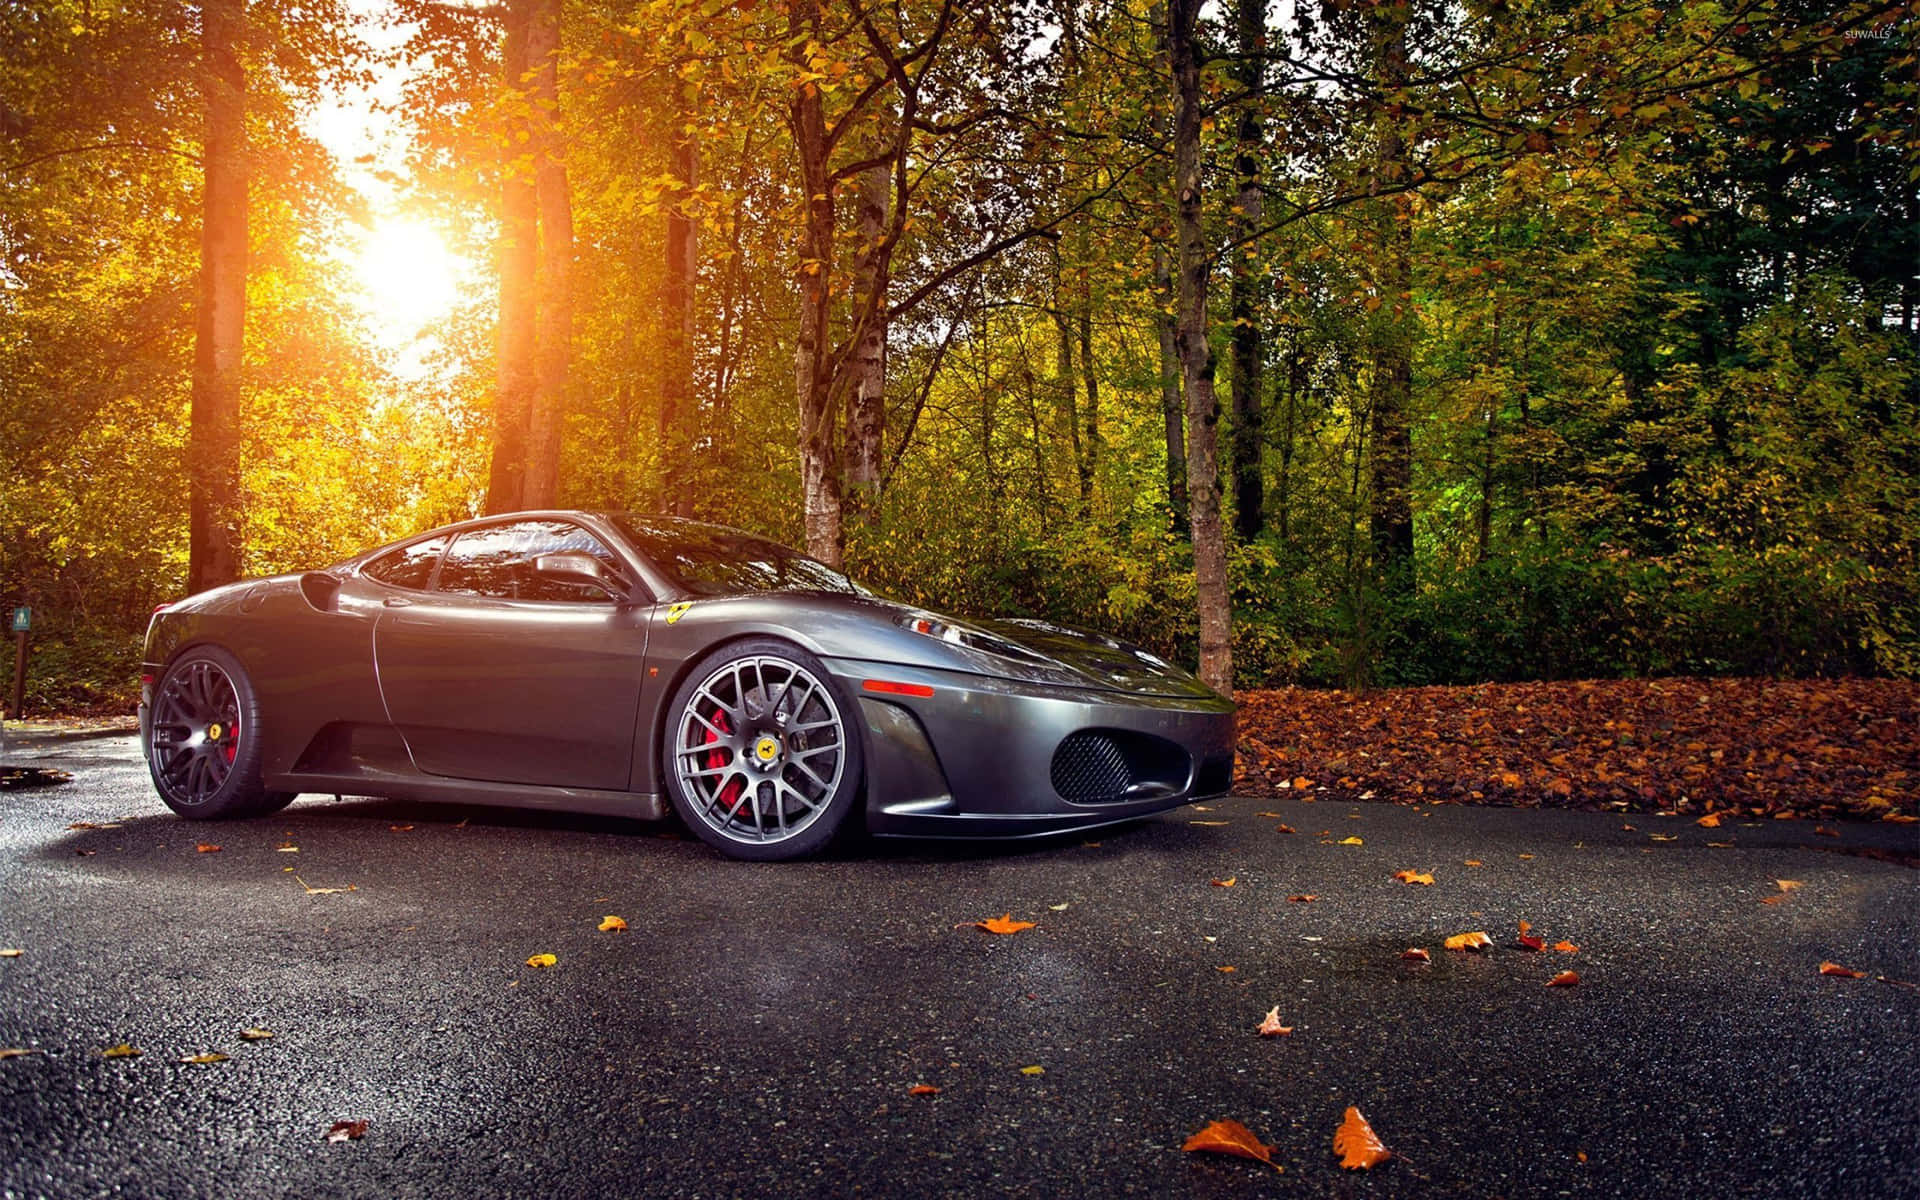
(606, 662)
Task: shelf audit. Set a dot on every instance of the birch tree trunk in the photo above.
(213, 449)
(819, 461)
(676, 382)
(1196, 355)
(867, 365)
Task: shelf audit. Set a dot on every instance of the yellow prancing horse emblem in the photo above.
(765, 749)
(679, 610)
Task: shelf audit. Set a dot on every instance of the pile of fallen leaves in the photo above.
(1760, 747)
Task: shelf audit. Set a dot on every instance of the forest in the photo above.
(1353, 343)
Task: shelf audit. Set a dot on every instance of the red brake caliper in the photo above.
(233, 742)
(730, 794)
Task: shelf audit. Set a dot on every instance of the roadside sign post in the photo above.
(22, 622)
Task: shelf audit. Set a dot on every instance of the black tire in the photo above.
(761, 751)
(203, 742)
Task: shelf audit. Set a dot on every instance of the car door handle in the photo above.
(397, 602)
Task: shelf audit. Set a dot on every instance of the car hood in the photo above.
(1105, 661)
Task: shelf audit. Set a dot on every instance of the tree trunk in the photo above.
(1063, 382)
(676, 372)
(1196, 356)
(516, 375)
(1247, 373)
(553, 328)
(1172, 408)
(213, 452)
(819, 460)
(1391, 503)
(867, 366)
(1090, 381)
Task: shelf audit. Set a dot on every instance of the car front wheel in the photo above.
(763, 758)
(203, 743)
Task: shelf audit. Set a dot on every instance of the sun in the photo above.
(409, 280)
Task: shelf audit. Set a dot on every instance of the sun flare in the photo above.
(409, 280)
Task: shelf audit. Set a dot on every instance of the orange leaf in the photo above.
(1271, 1027)
(1303, 898)
(1412, 876)
(1301, 781)
(1823, 831)
(1771, 899)
(1231, 1137)
(1469, 941)
(1526, 927)
(1474, 862)
(1416, 954)
(401, 828)
(1286, 829)
(1226, 970)
(612, 925)
(1708, 822)
(1529, 942)
(1229, 881)
(1274, 815)
(1834, 968)
(1351, 841)
(1004, 924)
(1564, 979)
(1787, 885)
(923, 1089)
(207, 848)
(1566, 947)
(341, 1131)
(1358, 1146)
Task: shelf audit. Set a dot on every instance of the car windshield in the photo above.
(709, 560)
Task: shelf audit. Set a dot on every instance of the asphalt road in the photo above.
(757, 1029)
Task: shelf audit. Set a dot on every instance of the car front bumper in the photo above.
(956, 755)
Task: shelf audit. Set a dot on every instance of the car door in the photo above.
(496, 673)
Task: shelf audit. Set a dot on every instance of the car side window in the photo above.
(411, 566)
(497, 562)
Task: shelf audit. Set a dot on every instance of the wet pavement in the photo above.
(757, 1028)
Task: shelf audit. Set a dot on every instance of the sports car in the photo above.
(614, 663)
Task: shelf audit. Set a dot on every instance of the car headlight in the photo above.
(928, 625)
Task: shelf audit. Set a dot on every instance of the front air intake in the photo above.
(1112, 766)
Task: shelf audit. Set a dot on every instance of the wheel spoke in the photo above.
(750, 696)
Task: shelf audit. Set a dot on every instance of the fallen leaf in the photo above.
(1058, 907)
(1786, 885)
(15, 1052)
(207, 848)
(1033, 1070)
(1708, 822)
(1526, 927)
(1416, 954)
(1287, 829)
(1271, 1026)
(923, 1089)
(1477, 940)
(1771, 899)
(1351, 841)
(542, 960)
(401, 828)
(11, 952)
(1664, 837)
(1526, 856)
(1529, 942)
(1823, 831)
(1209, 823)
(1231, 1137)
(1003, 925)
(314, 891)
(1564, 979)
(1274, 815)
(1412, 876)
(1901, 818)
(1358, 1146)
(287, 848)
(255, 1035)
(1303, 898)
(1834, 968)
(612, 925)
(1229, 881)
(1301, 781)
(93, 825)
(341, 1131)
(123, 1050)
(1566, 947)
(1474, 862)
(1628, 828)
(211, 1056)
(1226, 970)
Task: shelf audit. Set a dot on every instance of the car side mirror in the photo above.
(577, 566)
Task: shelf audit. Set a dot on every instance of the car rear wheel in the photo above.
(762, 756)
(203, 744)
